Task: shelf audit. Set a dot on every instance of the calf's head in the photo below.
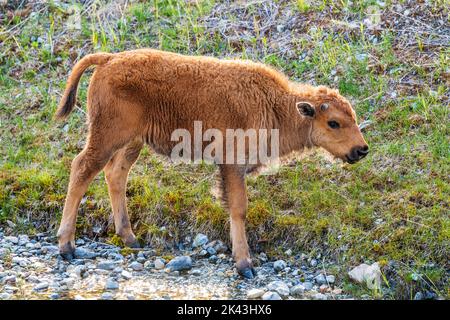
(334, 126)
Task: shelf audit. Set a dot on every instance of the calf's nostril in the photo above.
(363, 151)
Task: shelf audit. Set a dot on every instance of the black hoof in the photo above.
(67, 256)
(67, 251)
(248, 273)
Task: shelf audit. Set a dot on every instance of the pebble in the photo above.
(107, 296)
(307, 285)
(107, 265)
(111, 284)
(41, 286)
(313, 263)
(200, 240)
(159, 264)
(125, 274)
(211, 251)
(180, 263)
(280, 287)
(196, 272)
(255, 293)
(331, 279)
(12, 239)
(54, 296)
(9, 279)
(320, 279)
(271, 296)
(418, 296)
(5, 296)
(279, 265)
(297, 290)
(81, 253)
(136, 266)
(320, 296)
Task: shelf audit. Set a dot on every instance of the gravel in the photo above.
(34, 269)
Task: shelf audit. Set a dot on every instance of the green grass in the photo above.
(393, 207)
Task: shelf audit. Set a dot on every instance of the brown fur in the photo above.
(142, 96)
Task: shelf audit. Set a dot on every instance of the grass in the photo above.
(393, 207)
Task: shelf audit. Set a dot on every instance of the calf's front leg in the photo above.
(235, 197)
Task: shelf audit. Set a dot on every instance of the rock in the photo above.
(263, 257)
(313, 263)
(136, 266)
(5, 296)
(307, 285)
(23, 239)
(279, 265)
(297, 290)
(149, 265)
(80, 271)
(81, 253)
(54, 296)
(29, 246)
(3, 252)
(12, 239)
(320, 296)
(370, 275)
(324, 288)
(118, 270)
(418, 296)
(430, 295)
(159, 264)
(196, 272)
(271, 296)
(213, 259)
(41, 286)
(111, 284)
(180, 263)
(320, 279)
(255, 293)
(23, 262)
(9, 279)
(219, 246)
(280, 287)
(107, 265)
(107, 296)
(200, 240)
(127, 275)
(337, 291)
(288, 252)
(211, 251)
(330, 279)
(141, 259)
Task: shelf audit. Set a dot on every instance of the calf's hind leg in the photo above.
(84, 168)
(116, 174)
(235, 195)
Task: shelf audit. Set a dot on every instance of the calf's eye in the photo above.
(333, 124)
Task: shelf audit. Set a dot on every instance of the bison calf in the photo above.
(140, 97)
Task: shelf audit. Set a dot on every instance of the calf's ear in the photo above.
(306, 109)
